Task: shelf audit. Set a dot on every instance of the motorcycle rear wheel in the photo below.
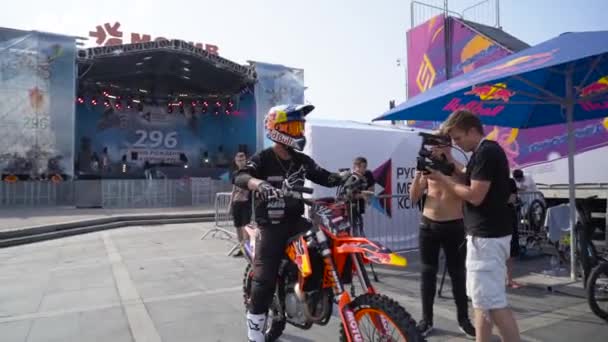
(276, 322)
(394, 313)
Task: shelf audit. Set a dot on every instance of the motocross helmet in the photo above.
(285, 125)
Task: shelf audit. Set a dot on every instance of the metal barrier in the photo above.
(485, 12)
(223, 218)
(395, 228)
(223, 214)
(392, 221)
(36, 193)
(144, 193)
(421, 12)
(203, 190)
(114, 193)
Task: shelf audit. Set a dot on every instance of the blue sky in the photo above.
(348, 48)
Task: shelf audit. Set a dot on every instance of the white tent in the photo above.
(391, 154)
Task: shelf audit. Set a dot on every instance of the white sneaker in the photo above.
(256, 325)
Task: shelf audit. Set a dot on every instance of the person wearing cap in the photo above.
(524, 183)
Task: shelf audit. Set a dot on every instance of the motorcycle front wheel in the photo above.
(371, 309)
(275, 323)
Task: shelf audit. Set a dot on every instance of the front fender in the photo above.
(370, 250)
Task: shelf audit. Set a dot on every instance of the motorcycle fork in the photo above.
(379, 321)
(342, 297)
(359, 267)
(346, 313)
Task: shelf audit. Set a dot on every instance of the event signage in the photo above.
(469, 50)
(107, 35)
(36, 103)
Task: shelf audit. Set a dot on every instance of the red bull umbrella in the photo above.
(562, 80)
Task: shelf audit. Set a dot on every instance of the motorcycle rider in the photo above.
(278, 218)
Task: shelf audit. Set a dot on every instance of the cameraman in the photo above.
(441, 226)
(488, 222)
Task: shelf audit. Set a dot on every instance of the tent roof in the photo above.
(358, 125)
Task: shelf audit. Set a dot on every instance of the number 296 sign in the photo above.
(154, 139)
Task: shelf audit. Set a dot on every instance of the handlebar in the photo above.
(302, 189)
(292, 191)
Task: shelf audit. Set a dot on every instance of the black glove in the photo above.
(267, 192)
(336, 179)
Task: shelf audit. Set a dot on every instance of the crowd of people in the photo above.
(469, 214)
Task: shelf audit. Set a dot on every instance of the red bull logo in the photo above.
(497, 91)
(600, 86)
(475, 107)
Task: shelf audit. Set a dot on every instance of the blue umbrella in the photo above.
(562, 80)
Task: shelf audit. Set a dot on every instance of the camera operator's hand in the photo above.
(420, 176)
(441, 152)
(268, 192)
(435, 175)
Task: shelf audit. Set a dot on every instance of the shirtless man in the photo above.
(441, 226)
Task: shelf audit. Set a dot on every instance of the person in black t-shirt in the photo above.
(487, 219)
(279, 218)
(240, 201)
(360, 168)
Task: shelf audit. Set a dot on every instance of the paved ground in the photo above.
(163, 283)
(20, 218)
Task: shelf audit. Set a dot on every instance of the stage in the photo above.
(155, 110)
(161, 110)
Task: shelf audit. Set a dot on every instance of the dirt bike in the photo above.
(316, 267)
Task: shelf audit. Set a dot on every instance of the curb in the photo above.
(59, 230)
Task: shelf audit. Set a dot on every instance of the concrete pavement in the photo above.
(162, 283)
(22, 218)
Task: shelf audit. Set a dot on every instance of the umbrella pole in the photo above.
(571, 182)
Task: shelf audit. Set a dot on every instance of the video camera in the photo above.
(427, 160)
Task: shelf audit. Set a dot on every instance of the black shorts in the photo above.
(241, 213)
